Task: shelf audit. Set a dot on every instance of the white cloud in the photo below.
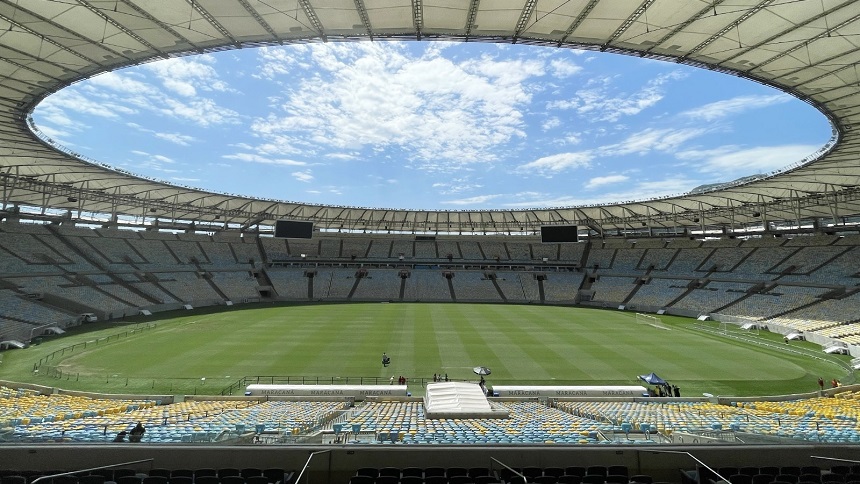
(123, 94)
(653, 139)
(254, 158)
(551, 123)
(58, 135)
(342, 156)
(549, 165)
(202, 111)
(755, 160)
(442, 114)
(177, 138)
(702, 153)
(56, 106)
(185, 75)
(599, 104)
(735, 105)
(303, 176)
(154, 162)
(455, 186)
(473, 201)
(563, 68)
(640, 190)
(600, 181)
(124, 83)
(274, 62)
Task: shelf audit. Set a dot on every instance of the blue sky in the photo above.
(432, 125)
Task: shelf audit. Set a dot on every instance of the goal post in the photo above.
(650, 320)
(647, 319)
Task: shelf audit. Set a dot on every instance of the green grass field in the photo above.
(521, 344)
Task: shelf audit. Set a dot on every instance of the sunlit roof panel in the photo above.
(445, 16)
(339, 16)
(552, 19)
(390, 15)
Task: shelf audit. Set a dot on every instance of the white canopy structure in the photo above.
(458, 400)
(808, 49)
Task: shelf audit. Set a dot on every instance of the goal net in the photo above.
(650, 321)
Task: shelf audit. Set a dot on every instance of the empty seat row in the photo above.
(616, 474)
(492, 479)
(156, 476)
(790, 470)
(581, 471)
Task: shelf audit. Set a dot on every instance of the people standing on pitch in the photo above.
(385, 359)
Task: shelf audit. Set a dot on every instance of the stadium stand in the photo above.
(427, 285)
(801, 48)
(340, 283)
(378, 285)
(805, 283)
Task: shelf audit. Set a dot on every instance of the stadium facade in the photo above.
(804, 48)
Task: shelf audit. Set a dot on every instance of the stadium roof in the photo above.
(808, 48)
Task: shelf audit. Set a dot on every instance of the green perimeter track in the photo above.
(522, 344)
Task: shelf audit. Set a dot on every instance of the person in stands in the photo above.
(137, 432)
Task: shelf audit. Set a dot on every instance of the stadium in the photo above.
(126, 299)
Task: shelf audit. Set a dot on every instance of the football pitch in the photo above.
(206, 351)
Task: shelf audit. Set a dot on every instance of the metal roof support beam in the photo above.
(826, 60)
(121, 28)
(470, 17)
(789, 51)
(167, 28)
(315, 21)
(418, 17)
(680, 27)
(260, 20)
(30, 31)
(579, 19)
(525, 15)
(195, 5)
(834, 204)
(794, 27)
(365, 19)
(642, 8)
(795, 199)
(71, 32)
(31, 56)
(749, 13)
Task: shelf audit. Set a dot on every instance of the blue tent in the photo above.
(652, 379)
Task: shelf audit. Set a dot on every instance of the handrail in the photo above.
(34, 481)
(853, 461)
(699, 461)
(525, 481)
(310, 457)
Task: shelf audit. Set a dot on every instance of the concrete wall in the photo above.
(341, 461)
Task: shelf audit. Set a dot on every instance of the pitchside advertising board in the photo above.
(554, 234)
(358, 392)
(570, 391)
(293, 229)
